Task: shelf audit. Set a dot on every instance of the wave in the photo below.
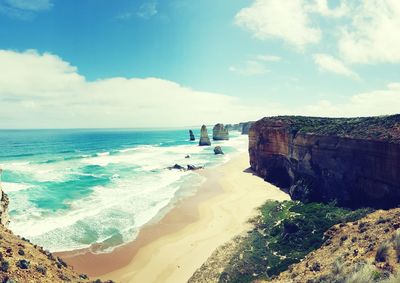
(138, 190)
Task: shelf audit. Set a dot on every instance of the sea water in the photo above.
(74, 189)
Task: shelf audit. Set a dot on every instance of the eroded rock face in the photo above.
(191, 135)
(352, 167)
(204, 139)
(220, 133)
(4, 217)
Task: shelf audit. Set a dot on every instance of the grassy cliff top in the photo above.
(385, 128)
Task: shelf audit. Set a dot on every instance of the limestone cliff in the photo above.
(220, 132)
(354, 161)
(204, 139)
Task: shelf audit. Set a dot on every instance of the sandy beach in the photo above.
(172, 249)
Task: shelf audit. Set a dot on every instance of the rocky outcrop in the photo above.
(355, 162)
(218, 150)
(189, 167)
(4, 217)
(22, 261)
(220, 133)
(191, 135)
(204, 139)
(351, 248)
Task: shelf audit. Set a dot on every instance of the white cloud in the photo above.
(372, 103)
(328, 63)
(286, 20)
(373, 35)
(42, 90)
(24, 9)
(31, 5)
(148, 9)
(321, 7)
(250, 68)
(268, 58)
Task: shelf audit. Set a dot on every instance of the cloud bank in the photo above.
(44, 91)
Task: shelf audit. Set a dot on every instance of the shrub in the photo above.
(364, 274)
(396, 244)
(382, 252)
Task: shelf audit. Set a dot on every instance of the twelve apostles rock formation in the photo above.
(355, 161)
(191, 135)
(220, 132)
(204, 139)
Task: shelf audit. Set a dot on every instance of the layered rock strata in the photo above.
(355, 162)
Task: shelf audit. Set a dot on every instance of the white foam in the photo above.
(130, 201)
(14, 187)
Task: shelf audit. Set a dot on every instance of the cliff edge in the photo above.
(354, 161)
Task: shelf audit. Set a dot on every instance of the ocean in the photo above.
(73, 189)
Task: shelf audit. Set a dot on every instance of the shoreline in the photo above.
(172, 249)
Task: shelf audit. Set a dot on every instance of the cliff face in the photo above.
(353, 161)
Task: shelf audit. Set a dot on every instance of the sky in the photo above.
(172, 63)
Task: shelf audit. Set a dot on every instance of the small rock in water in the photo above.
(218, 150)
(194, 167)
(176, 167)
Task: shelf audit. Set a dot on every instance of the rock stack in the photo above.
(192, 138)
(220, 133)
(204, 139)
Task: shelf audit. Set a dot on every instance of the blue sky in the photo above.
(255, 57)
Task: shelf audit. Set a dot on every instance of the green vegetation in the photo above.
(377, 128)
(284, 233)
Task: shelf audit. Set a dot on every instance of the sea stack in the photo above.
(204, 139)
(192, 138)
(220, 133)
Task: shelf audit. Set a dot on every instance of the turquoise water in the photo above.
(70, 189)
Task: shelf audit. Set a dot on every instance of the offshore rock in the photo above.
(191, 167)
(177, 167)
(204, 139)
(220, 132)
(354, 161)
(191, 135)
(218, 150)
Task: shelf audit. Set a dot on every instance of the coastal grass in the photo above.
(283, 234)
